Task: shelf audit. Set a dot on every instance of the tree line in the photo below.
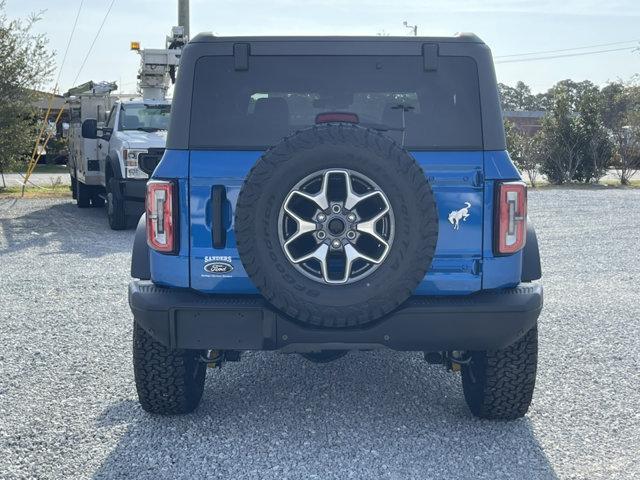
(26, 66)
(585, 130)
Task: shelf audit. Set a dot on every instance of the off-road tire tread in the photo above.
(97, 201)
(505, 379)
(118, 219)
(168, 382)
(83, 194)
(74, 193)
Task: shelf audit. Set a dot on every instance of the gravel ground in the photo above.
(68, 406)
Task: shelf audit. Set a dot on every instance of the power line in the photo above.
(94, 41)
(35, 155)
(517, 60)
(66, 50)
(542, 52)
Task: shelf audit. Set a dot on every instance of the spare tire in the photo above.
(336, 225)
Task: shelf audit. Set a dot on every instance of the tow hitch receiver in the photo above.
(215, 358)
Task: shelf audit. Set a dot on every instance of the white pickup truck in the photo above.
(104, 155)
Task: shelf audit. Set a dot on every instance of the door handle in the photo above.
(218, 203)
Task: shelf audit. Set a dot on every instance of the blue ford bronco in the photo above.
(326, 194)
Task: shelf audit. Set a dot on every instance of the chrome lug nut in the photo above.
(321, 217)
(321, 235)
(351, 217)
(336, 243)
(336, 209)
(351, 234)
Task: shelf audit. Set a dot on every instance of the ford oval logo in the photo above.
(218, 267)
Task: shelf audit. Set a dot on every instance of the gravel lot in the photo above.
(68, 407)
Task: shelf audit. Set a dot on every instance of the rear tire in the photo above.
(97, 201)
(115, 206)
(73, 187)
(168, 382)
(83, 194)
(499, 384)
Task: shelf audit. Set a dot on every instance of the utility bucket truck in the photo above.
(110, 138)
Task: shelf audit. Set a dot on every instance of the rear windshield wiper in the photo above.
(149, 129)
(381, 127)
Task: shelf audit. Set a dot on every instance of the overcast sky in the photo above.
(509, 27)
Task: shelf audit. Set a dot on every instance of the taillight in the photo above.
(161, 224)
(511, 217)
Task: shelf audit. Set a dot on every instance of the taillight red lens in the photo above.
(161, 225)
(511, 217)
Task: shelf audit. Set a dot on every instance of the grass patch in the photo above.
(57, 191)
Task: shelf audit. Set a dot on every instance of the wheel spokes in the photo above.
(320, 198)
(336, 237)
(320, 254)
(303, 226)
(352, 198)
(369, 227)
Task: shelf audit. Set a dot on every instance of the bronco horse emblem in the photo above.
(457, 215)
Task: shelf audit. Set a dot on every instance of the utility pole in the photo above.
(413, 28)
(183, 16)
(158, 65)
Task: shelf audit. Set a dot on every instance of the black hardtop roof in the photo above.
(243, 49)
(208, 37)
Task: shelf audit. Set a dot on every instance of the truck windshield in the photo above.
(277, 95)
(148, 118)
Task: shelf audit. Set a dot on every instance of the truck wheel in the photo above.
(168, 382)
(83, 194)
(115, 206)
(97, 201)
(336, 225)
(499, 384)
(73, 187)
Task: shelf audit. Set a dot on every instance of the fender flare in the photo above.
(140, 265)
(114, 166)
(531, 268)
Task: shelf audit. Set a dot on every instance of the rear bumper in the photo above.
(182, 318)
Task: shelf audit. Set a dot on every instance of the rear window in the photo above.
(278, 95)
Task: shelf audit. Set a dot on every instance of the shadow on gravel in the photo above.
(368, 415)
(62, 227)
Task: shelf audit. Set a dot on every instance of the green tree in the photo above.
(615, 103)
(596, 145)
(627, 149)
(561, 140)
(525, 151)
(573, 93)
(622, 116)
(25, 66)
(520, 98)
(576, 143)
